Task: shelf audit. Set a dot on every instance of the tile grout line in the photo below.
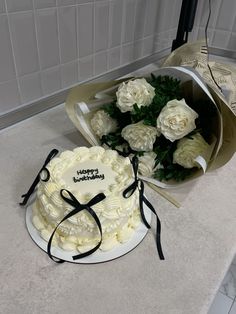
(13, 55)
(94, 6)
(35, 17)
(59, 41)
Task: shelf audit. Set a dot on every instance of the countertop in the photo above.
(198, 240)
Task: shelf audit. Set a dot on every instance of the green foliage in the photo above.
(164, 150)
(114, 112)
(113, 139)
(174, 172)
(206, 113)
(166, 88)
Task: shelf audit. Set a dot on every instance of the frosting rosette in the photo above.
(140, 137)
(137, 91)
(188, 149)
(102, 123)
(176, 120)
(146, 164)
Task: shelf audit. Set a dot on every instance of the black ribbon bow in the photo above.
(27, 195)
(142, 199)
(72, 200)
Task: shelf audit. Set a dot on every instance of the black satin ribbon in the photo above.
(142, 199)
(27, 195)
(72, 200)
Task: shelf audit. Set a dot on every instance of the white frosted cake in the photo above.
(85, 172)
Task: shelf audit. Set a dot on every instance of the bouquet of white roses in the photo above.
(159, 121)
(169, 120)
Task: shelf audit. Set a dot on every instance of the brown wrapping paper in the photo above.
(194, 55)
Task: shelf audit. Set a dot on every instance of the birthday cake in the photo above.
(86, 172)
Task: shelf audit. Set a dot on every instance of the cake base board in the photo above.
(98, 256)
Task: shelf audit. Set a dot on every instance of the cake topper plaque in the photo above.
(88, 174)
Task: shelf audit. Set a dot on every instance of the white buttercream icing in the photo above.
(125, 234)
(86, 172)
(66, 245)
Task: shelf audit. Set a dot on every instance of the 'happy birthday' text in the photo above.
(88, 174)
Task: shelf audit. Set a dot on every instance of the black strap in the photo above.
(71, 200)
(27, 195)
(142, 199)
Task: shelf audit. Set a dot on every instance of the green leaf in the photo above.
(174, 171)
(164, 150)
(166, 88)
(113, 139)
(114, 112)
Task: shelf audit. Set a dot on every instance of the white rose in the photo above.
(140, 137)
(188, 149)
(176, 120)
(137, 91)
(102, 123)
(146, 165)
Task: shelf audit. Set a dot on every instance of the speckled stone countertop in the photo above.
(198, 240)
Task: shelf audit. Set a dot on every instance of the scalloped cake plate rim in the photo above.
(98, 256)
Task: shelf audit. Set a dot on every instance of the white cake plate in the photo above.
(98, 256)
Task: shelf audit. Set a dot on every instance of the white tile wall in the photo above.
(23, 36)
(67, 33)
(234, 27)
(220, 38)
(86, 66)
(175, 12)
(65, 2)
(138, 49)
(116, 13)
(163, 15)
(7, 67)
(114, 58)
(148, 46)
(51, 80)
(101, 25)
(30, 87)
(100, 62)
(19, 5)
(84, 1)
(225, 20)
(232, 41)
(48, 41)
(222, 24)
(2, 6)
(47, 45)
(127, 53)
(85, 30)
(69, 74)
(152, 8)
(41, 4)
(203, 12)
(201, 34)
(10, 97)
(140, 17)
(128, 18)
